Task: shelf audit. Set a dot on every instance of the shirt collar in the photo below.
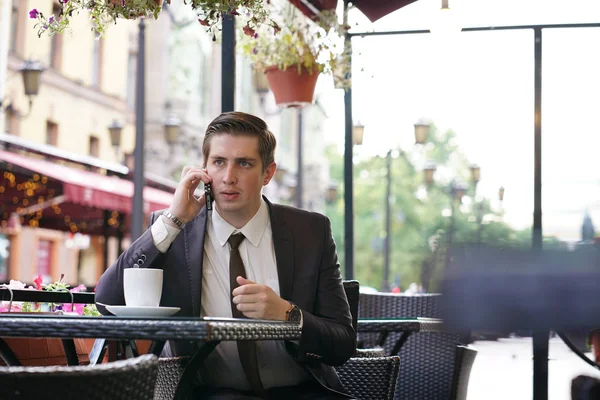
(253, 230)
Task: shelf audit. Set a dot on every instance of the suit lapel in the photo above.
(195, 232)
(283, 243)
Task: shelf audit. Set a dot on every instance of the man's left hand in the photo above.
(259, 301)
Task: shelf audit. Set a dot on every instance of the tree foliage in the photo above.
(420, 219)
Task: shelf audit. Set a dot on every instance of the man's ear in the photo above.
(269, 173)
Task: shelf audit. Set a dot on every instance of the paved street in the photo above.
(503, 370)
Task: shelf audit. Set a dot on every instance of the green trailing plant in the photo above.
(103, 13)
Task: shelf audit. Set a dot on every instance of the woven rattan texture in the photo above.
(131, 379)
(370, 353)
(169, 374)
(428, 359)
(370, 378)
(157, 329)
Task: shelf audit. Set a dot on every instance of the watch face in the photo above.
(294, 314)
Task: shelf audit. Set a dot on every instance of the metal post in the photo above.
(105, 218)
(137, 209)
(228, 64)
(348, 167)
(299, 177)
(540, 339)
(451, 227)
(4, 45)
(385, 286)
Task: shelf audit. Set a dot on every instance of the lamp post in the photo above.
(475, 178)
(137, 207)
(421, 135)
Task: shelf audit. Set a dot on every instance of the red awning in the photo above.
(91, 189)
(373, 9)
(376, 9)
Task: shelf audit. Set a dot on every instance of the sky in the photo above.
(481, 85)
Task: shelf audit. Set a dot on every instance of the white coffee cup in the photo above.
(142, 286)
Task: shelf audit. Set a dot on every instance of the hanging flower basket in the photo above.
(290, 87)
(103, 13)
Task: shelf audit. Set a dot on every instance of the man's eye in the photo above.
(219, 162)
(245, 164)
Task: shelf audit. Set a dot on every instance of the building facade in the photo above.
(88, 83)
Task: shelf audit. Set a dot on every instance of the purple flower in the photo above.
(51, 19)
(256, 36)
(63, 1)
(254, 51)
(33, 14)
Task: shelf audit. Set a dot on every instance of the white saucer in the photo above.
(129, 311)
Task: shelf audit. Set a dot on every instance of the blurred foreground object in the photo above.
(517, 289)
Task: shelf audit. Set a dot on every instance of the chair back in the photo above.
(170, 370)
(352, 289)
(131, 379)
(428, 363)
(370, 378)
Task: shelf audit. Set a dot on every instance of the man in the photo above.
(247, 258)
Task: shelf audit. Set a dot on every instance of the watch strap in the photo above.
(173, 218)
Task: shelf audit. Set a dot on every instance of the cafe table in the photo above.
(406, 326)
(207, 332)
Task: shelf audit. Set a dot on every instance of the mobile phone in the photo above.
(208, 196)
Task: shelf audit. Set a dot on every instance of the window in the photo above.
(94, 149)
(97, 62)
(11, 121)
(131, 77)
(51, 133)
(56, 43)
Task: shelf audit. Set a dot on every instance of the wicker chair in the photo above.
(169, 374)
(433, 366)
(370, 378)
(132, 379)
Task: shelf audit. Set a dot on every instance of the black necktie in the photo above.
(246, 348)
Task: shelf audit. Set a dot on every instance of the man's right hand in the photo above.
(185, 205)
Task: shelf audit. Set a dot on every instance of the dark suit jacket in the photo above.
(309, 276)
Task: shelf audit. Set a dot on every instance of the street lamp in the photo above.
(172, 125)
(31, 72)
(332, 192)
(501, 193)
(421, 132)
(475, 173)
(429, 170)
(115, 129)
(358, 132)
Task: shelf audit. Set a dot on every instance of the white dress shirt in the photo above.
(276, 366)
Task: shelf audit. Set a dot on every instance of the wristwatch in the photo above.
(293, 314)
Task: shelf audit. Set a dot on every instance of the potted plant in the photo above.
(294, 51)
(47, 351)
(104, 12)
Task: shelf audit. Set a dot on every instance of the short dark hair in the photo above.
(239, 123)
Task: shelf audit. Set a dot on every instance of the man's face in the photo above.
(235, 166)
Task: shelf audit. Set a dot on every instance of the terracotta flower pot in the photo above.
(292, 89)
(46, 351)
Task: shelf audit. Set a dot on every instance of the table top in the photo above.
(400, 325)
(173, 328)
